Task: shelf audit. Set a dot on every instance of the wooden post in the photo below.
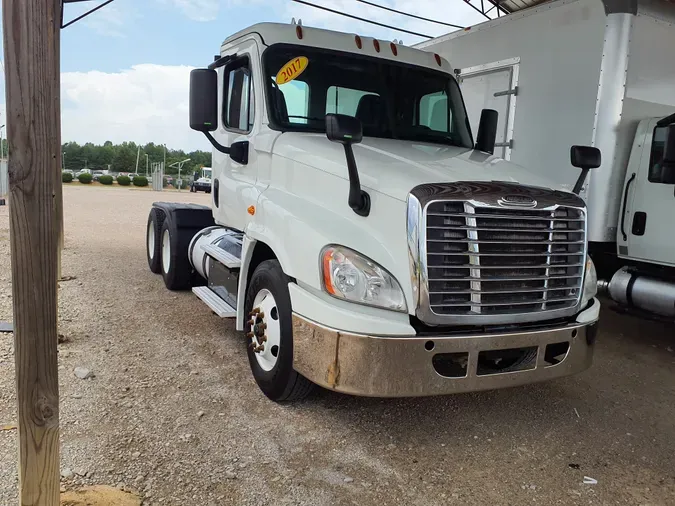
(31, 44)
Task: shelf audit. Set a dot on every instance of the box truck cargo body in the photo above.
(595, 73)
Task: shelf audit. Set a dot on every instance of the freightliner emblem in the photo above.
(517, 201)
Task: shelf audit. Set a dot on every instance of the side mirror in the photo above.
(239, 152)
(204, 100)
(347, 130)
(487, 131)
(585, 158)
(343, 129)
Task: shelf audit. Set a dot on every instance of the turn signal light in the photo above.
(251, 210)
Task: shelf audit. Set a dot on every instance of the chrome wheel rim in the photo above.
(166, 251)
(264, 330)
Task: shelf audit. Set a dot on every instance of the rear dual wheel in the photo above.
(153, 241)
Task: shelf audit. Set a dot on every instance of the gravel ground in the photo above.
(173, 412)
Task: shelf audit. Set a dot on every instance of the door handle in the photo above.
(623, 208)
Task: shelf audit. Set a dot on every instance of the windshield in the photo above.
(206, 173)
(392, 100)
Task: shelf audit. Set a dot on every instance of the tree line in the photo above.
(122, 157)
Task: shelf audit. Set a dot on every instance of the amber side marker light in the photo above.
(376, 45)
(251, 210)
(359, 44)
(298, 31)
(394, 49)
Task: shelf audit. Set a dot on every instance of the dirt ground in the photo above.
(173, 412)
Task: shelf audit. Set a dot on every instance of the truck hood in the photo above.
(394, 167)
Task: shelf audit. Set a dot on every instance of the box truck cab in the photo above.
(361, 236)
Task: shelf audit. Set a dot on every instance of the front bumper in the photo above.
(404, 366)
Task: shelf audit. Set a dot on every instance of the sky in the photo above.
(125, 69)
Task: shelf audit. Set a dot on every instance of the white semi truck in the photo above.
(361, 236)
(598, 73)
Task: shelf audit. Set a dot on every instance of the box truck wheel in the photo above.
(270, 335)
(175, 265)
(153, 241)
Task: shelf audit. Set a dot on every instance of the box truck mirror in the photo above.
(487, 131)
(668, 163)
(586, 158)
(669, 147)
(347, 130)
(204, 104)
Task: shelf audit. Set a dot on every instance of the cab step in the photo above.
(217, 305)
(227, 259)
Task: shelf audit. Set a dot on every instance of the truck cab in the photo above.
(362, 237)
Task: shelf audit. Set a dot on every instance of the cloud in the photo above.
(146, 103)
(198, 10)
(109, 21)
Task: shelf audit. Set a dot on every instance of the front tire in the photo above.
(270, 331)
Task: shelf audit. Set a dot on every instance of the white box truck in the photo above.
(361, 237)
(598, 73)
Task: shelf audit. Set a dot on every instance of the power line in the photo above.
(408, 14)
(83, 15)
(362, 19)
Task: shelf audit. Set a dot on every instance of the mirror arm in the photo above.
(580, 181)
(216, 144)
(359, 200)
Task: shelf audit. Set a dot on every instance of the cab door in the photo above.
(646, 228)
(234, 183)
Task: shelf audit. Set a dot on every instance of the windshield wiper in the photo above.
(308, 117)
(440, 139)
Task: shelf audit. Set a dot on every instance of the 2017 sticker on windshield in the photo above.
(292, 69)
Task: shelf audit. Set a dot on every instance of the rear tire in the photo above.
(273, 368)
(153, 241)
(175, 265)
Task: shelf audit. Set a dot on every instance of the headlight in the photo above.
(590, 283)
(350, 276)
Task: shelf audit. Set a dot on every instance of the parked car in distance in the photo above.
(97, 173)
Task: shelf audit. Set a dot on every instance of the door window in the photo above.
(238, 104)
(656, 173)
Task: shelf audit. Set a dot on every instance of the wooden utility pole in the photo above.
(31, 45)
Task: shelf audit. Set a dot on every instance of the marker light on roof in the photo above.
(359, 44)
(394, 49)
(376, 44)
(438, 59)
(298, 31)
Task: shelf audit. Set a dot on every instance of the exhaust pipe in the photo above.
(632, 289)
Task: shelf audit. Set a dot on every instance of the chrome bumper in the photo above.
(402, 367)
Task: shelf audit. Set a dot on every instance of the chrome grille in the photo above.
(501, 261)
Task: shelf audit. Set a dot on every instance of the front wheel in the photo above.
(270, 335)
